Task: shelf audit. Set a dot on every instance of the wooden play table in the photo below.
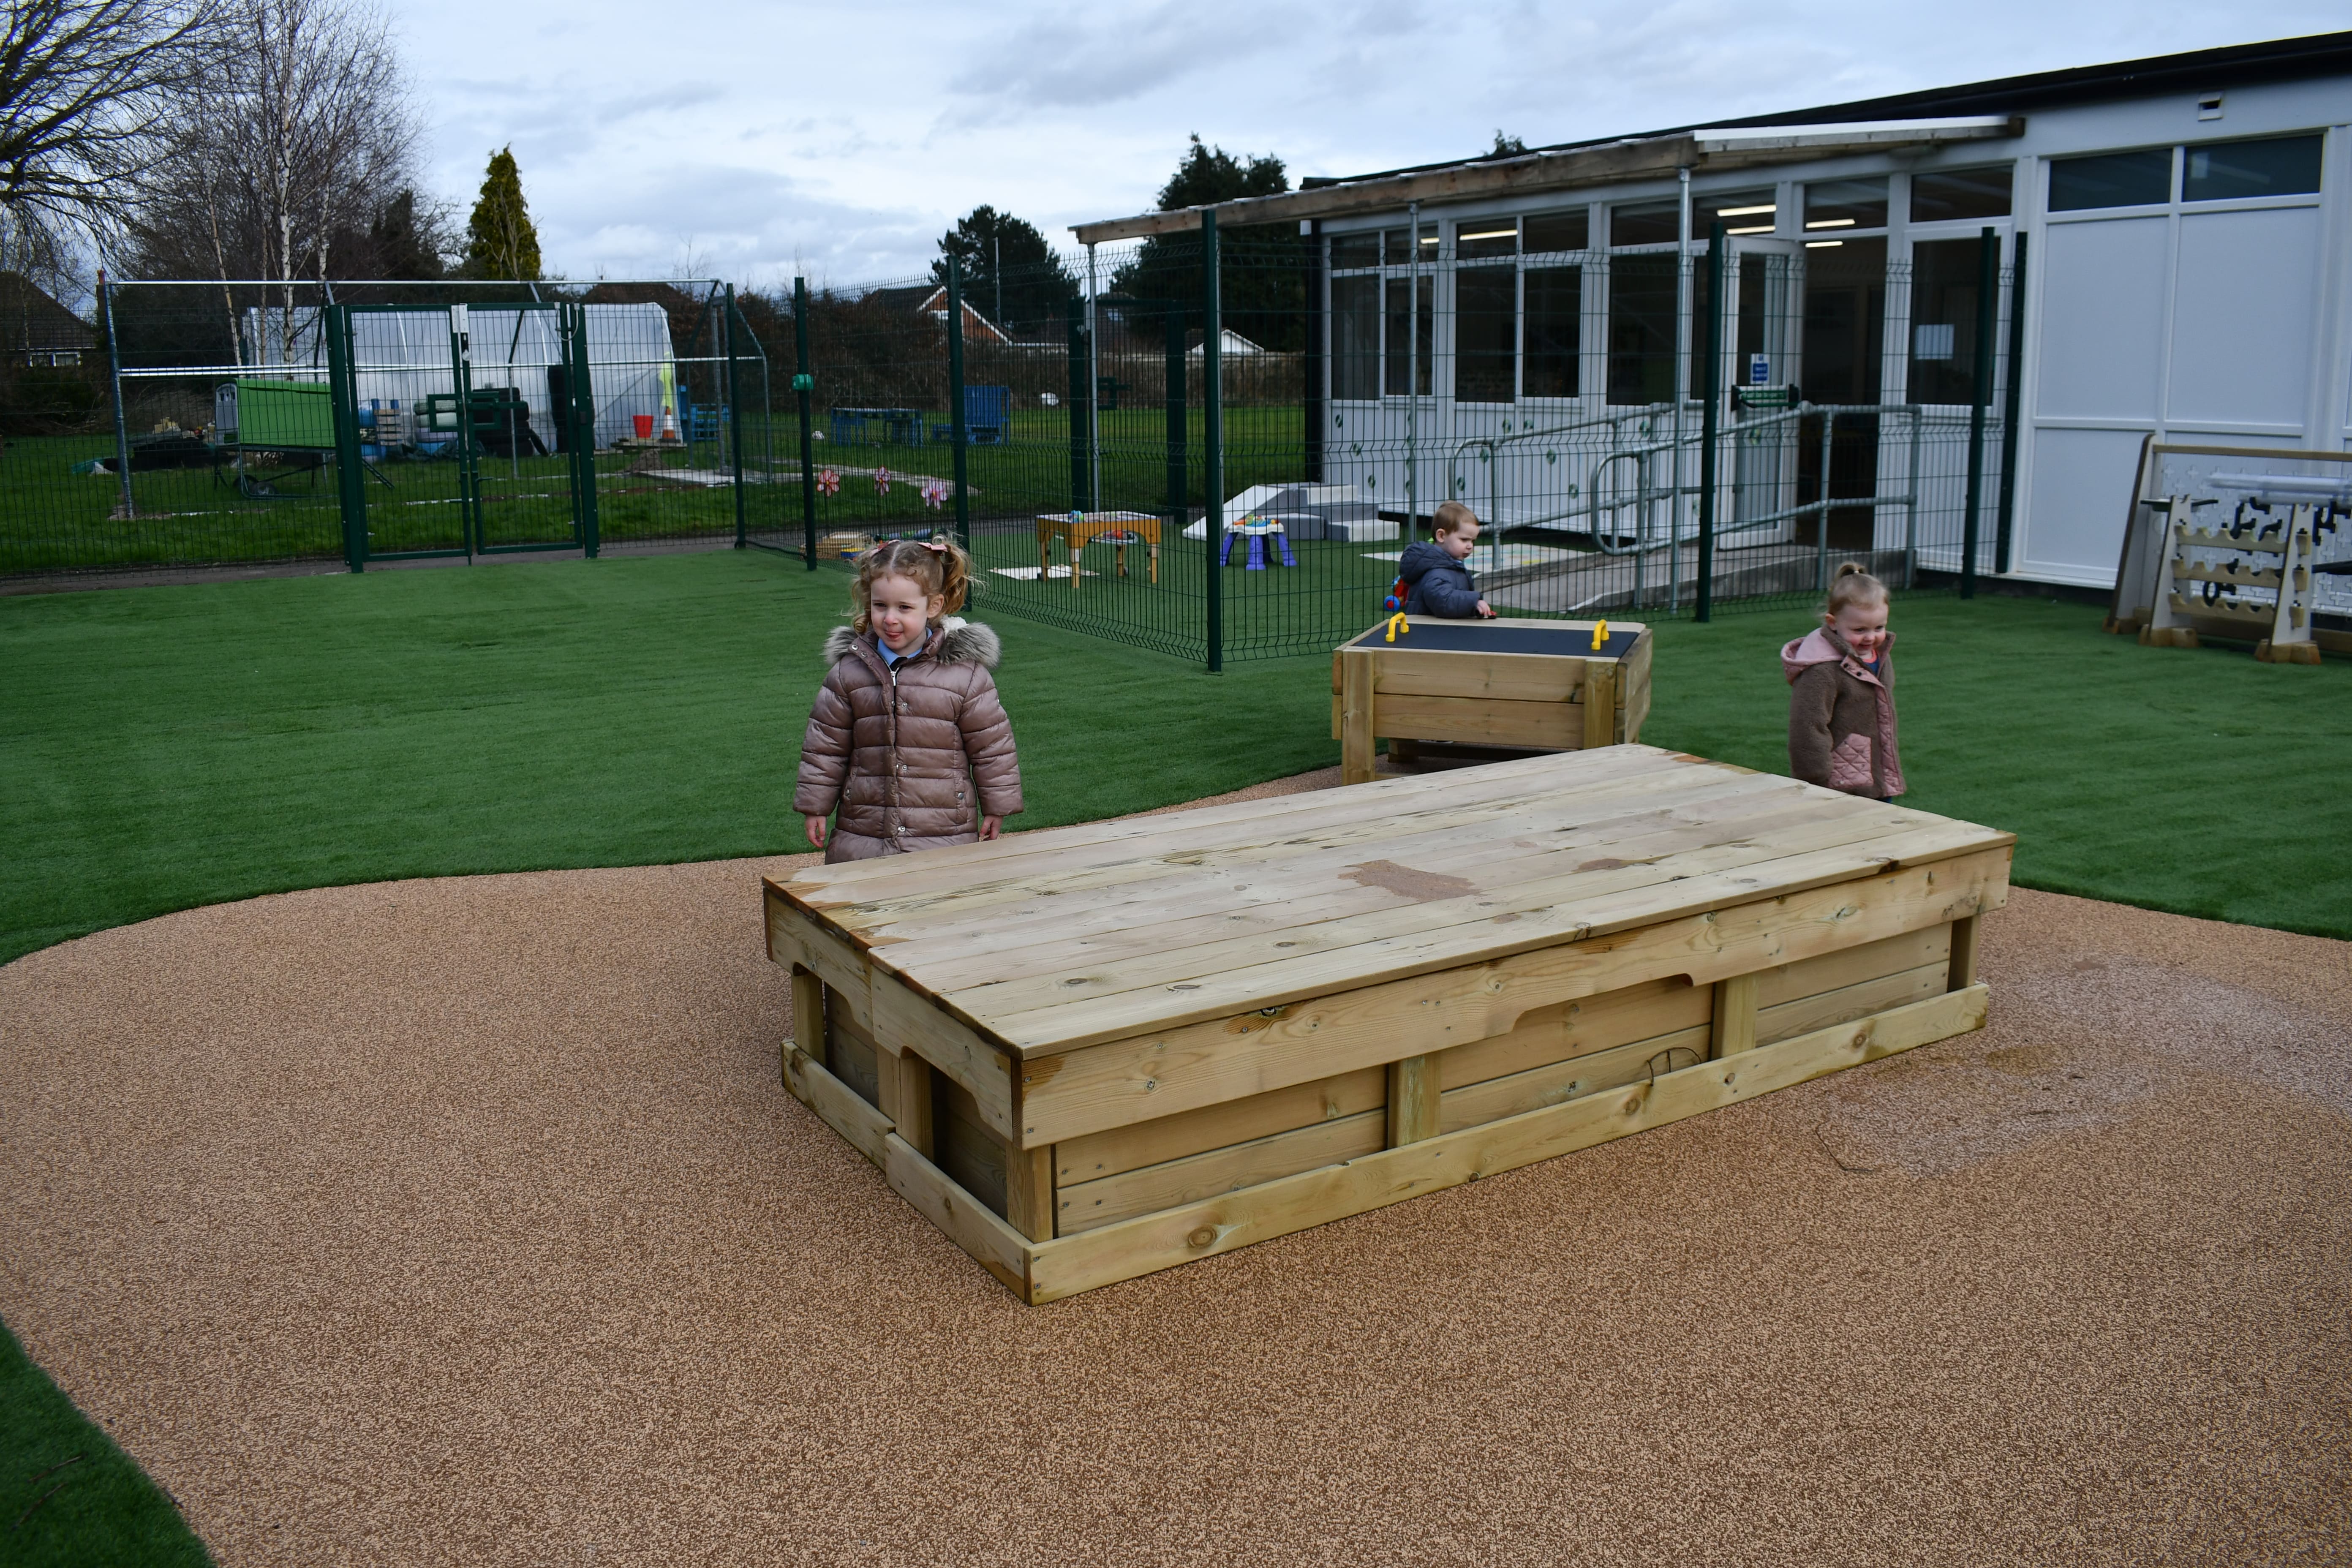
(1078, 529)
(1539, 685)
(1093, 1052)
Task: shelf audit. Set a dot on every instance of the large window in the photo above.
(1408, 368)
(1355, 250)
(1739, 212)
(1951, 196)
(1553, 313)
(1832, 204)
(2227, 171)
(1641, 307)
(1549, 232)
(2111, 180)
(1475, 238)
(1355, 335)
(1944, 274)
(1646, 223)
(1487, 334)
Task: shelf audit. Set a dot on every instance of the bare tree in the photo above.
(82, 83)
(291, 148)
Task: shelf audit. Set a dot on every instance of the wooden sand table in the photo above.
(1093, 1052)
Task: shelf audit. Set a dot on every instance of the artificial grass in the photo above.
(166, 747)
(162, 748)
(67, 1495)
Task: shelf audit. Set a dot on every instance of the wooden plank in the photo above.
(1731, 1026)
(1029, 1191)
(835, 1102)
(909, 1105)
(1356, 731)
(1217, 982)
(808, 1011)
(1219, 1126)
(1413, 1086)
(1963, 972)
(1222, 1223)
(1851, 965)
(964, 1147)
(1024, 864)
(1568, 1030)
(1167, 1071)
(1569, 867)
(1600, 707)
(1555, 724)
(1055, 934)
(795, 937)
(1093, 1204)
(852, 1055)
(1821, 1010)
(996, 1246)
(905, 1021)
(1477, 676)
(1636, 1062)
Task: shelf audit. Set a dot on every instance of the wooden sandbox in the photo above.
(1511, 683)
(1089, 1053)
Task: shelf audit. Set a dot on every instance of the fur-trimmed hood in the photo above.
(957, 641)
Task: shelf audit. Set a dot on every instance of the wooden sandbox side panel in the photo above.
(850, 1053)
(964, 1146)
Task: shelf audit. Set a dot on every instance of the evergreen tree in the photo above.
(1262, 266)
(500, 240)
(1507, 147)
(1032, 287)
(400, 241)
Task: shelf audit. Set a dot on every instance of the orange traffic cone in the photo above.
(669, 423)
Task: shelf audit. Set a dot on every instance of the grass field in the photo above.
(52, 517)
(163, 747)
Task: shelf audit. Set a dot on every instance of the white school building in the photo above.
(2187, 278)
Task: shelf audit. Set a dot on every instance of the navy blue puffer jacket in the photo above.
(1438, 584)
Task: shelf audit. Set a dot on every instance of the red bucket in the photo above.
(644, 424)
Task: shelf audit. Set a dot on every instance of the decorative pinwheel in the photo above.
(881, 481)
(828, 481)
(935, 493)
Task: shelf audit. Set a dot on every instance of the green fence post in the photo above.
(114, 376)
(959, 427)
(1178, 433)
(1212, 437)
(2007, 515)
(735, 422)
(804, 387)
(582, 414)
(1710, 391)
(1979, 397)
(1079, 450)
(342, 406)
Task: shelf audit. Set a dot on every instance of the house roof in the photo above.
(1975, 111)
(32, 320)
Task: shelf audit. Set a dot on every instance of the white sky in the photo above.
(746, 141)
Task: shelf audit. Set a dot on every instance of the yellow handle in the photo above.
(1397, 623)
(1599, 636)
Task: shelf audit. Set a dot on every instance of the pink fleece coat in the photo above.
(1842, 717)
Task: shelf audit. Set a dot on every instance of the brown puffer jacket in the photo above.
(1842, 717)
(913, 756)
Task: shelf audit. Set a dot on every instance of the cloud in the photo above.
(842, 140)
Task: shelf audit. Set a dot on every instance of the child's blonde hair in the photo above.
(938, 566)
(1453, 517)
(1851, 586)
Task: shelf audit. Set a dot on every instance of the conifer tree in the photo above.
(500, 240)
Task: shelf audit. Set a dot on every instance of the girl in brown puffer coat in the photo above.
(907, 737)
(1842, 694)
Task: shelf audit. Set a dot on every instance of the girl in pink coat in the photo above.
(1842, 692)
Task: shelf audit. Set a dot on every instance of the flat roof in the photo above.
(1974, 111)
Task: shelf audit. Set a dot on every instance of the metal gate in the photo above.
(494, 446)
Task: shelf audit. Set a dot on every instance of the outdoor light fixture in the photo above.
(1831, 222)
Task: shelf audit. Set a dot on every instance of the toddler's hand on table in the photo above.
(1485, 609)
(991, 827)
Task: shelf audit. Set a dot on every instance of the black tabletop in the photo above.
(1478, 637)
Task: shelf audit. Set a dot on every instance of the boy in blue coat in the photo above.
(1439, 583)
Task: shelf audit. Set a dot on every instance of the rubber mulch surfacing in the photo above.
(466, 1222)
